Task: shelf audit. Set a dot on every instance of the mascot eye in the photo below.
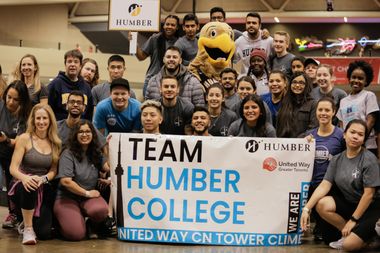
(213, 33)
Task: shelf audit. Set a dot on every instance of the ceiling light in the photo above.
(345, 19)
(276, 19)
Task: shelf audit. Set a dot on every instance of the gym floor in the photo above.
(10, 242)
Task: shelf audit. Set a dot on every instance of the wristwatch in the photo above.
(45, 179)
(354, 219)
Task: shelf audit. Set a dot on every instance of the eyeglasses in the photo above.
(300, 83)
(217, 18)
(73, 102)
(87, 132)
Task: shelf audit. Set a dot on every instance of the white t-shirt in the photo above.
(358, 106)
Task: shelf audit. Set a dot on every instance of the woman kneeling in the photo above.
(78, 175)
(348, 197)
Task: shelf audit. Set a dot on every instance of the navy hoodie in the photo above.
(59, 90)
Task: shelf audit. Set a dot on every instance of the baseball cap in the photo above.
(311, 61)
(120, 82)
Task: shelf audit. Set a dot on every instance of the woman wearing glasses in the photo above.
(297, 113)
(78, 175)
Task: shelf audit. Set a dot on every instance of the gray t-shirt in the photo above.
(150, 48)
(84, 173)
(12, 126)
(231, 101)
(103, 91)
(240, 128)
(189, 49)
(35, 98)
(284, 64)
(353, 175)
(336, 94)
(64, 132)
(220, 125)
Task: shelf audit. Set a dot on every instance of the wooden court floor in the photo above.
(10, 242)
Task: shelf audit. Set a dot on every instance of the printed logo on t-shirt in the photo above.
(355, 173)
(224, 130)
(350, 113)
(111, 120)
(322, 154)
(178, 121)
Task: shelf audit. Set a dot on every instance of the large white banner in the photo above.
(210, 190)
(136, 15)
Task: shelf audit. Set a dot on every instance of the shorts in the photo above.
(365, 228)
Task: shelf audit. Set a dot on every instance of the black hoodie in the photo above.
(59, 90)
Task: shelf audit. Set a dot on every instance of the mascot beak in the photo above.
(220, 49)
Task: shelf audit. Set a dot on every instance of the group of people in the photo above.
(54, 152)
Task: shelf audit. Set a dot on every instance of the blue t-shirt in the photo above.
(126, 121)
(325, 148)
(274, 108)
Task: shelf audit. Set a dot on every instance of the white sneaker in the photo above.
(20, 228)
(337, 244)
(377, 227)
(28, 236)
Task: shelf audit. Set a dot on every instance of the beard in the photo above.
(169, 98)
(172, 70)
(254, 33)
(229, 88)
(200, 131)
(75, 115)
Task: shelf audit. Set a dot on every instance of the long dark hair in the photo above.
(24, 100)
(93, 152)
(261, 121)
(292, 101)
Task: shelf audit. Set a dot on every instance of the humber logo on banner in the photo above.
(134, 9)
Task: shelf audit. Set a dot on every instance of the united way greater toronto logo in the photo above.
(134, 9)
(270, 164)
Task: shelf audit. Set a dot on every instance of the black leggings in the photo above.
(8, 178)
(28, 200)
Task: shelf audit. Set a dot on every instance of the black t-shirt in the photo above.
(177, 117)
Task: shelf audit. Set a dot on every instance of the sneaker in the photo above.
(20, 228)
(90, 230)
(377, 227)
(108, 226)
(10, 221)
(317, 234)
(337, 244)
(28, 236)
